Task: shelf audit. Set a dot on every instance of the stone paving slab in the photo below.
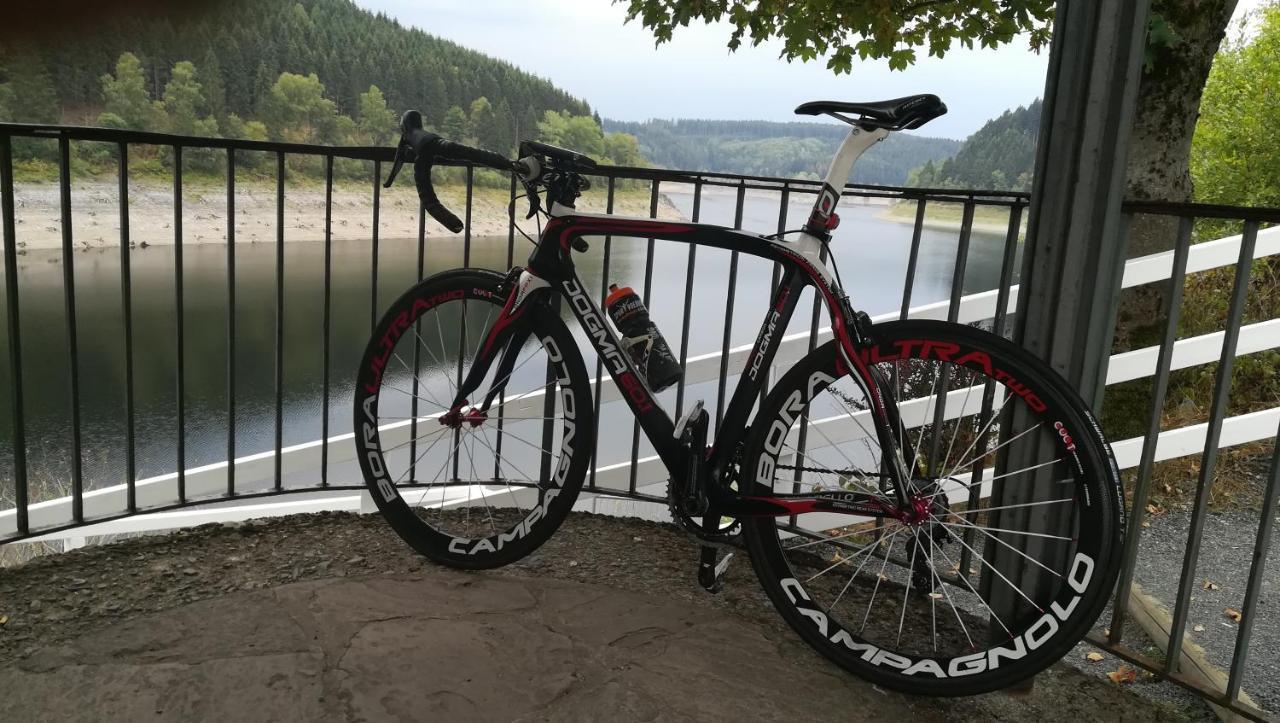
(441, 646)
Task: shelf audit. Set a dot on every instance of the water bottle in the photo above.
(641, 339)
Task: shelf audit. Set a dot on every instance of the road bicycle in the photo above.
(927, 504)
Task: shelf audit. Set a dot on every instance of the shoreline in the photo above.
(95, 215)
(948, 224)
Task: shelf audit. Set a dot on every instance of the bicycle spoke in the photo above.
(855, 572)
(844, 560)
(983, 433)
(879, 579)
(997, 448)
(907, 593)
(414, 374)
(999, 574)
(965, 580)
(1011, 507)
(984, 531)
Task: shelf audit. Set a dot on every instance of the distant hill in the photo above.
(792, 150)
(254, 41)
(1000, 155)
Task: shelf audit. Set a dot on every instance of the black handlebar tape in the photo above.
(458, 152)
(427, 194)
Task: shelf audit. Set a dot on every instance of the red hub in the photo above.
(456, 417)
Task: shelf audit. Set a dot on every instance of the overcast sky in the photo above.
(584, 47)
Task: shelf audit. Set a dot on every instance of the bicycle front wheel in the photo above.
(490, 489)
(1005, 551)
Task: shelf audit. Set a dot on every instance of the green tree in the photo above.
(263, 81)
(580, 133)
(455, 125)
(29, 95)
(1237, 142)
(377, 122)
(622, 149)
(297, 109)
(213, 86)
(1183, 37)
(183, 98)
(125, 94)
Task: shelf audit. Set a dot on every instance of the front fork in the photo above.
(506, 337)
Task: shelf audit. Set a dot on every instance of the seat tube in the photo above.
(854, 145)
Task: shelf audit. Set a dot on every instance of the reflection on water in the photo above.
(872, 252)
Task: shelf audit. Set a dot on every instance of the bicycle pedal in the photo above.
(688, 417)
(711, 573)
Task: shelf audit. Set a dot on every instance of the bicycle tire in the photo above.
(1097, 520)
(557, 484)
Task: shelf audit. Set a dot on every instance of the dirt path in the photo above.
(330, 616)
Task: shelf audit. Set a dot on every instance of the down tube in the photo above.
(655, 422)
(756, 372)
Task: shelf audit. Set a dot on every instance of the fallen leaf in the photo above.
(1211, 585)
(1233, 614)
(1198, 628)
(1155, 510)
(4, 619)
(1146, 523)
(1123, 675)
(1094, 657)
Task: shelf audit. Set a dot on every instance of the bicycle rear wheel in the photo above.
(1005, 553)
(487, 490)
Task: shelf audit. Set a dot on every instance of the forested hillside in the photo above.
(793, 150)
(240, 48)
(1000, 155)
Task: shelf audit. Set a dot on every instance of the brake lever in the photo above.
(403, 153)
(535, 201)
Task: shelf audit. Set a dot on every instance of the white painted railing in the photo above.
(210, 480)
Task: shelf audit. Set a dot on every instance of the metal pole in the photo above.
(1074, 254)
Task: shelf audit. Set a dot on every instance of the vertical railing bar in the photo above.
(19, 440)
(802, 439)
(231, 322)
(417, 353)
(690, 265)
(1006, 269)
(502, 395)
(953, 313)
(466, 262)
(604, 293)
(1261, 547)
(1172, 308)
(279, 439)
(784, 201)
(126, 310)
(1222, 389)
(728, 312)
(989, 387)
(69, 298)
(648, 302)
(180, 322)
(325, 320)
(373, 264)
(908, 284)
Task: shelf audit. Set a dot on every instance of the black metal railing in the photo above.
(993, 218)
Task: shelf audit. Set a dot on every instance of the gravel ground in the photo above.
(59, 597)
(1222, 573)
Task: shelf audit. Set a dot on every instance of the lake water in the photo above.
(872, 253)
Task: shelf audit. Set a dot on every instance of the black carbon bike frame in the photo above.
(551, 271)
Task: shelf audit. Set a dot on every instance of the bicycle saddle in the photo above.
(898, 114)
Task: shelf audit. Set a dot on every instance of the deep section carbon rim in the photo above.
(488, 488)
(1001, 557)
